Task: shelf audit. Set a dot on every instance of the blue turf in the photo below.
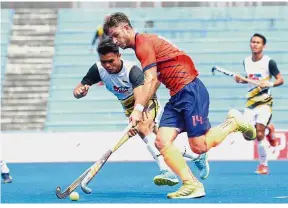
(130, 182)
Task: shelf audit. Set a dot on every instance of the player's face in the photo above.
(257, 45)
(111, 62)
(120, 36)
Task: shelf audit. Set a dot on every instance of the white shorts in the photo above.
(261, 114)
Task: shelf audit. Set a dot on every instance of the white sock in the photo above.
(188, 153)
(4, 167)
(150, 141)
(262, 151)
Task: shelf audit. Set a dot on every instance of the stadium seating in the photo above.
(6, 23)
(212, 36)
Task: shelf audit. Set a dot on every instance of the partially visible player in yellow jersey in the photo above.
(99, 35)
(258, 107)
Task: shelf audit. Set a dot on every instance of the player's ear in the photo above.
(126, 27)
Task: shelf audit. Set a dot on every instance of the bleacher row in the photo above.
(211, 36)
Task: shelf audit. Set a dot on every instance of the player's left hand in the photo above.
(135, 117)
(264, 84)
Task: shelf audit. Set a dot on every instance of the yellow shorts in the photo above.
(155, 111)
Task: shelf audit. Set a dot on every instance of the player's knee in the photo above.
(199, 149)
(260, 129)
(260, 135)
(198, 145)
(165, 137)
(159, 143)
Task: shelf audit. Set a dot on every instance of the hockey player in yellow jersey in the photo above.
(258, 107)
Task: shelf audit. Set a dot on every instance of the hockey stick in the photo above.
(104, 158)
(92, 170)
(232, 74)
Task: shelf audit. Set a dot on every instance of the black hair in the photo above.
(107, 45)
(114, 20)
(260, 36)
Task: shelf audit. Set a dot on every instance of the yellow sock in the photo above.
(177, 163)
(217, 134)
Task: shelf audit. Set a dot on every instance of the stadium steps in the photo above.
(6, 22)
(28, 69)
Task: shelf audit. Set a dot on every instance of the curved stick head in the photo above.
(84, 184)
(86, 189)
(58, 189)
(59, 194)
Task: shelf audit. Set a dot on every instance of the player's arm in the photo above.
(147, 57)
(238, 79)
(92, 77)
(136, 77)
(145, 94)
(274, 71)
(151, 84)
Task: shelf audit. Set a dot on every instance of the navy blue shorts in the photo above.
(188, 110)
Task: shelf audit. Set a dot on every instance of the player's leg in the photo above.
(195, 112)
(166, 176)
(170, 125)
(262, 149)
(199, 160)
(263, 118)
(217, 134)
(5, 172)
(191, 187)
(270, 135)
(201, 136)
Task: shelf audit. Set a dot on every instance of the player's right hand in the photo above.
(132, 132)
(81, 91)
(265, 84)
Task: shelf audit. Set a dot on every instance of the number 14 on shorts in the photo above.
(197, 119)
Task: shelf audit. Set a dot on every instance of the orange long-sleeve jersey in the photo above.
(175, 69)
